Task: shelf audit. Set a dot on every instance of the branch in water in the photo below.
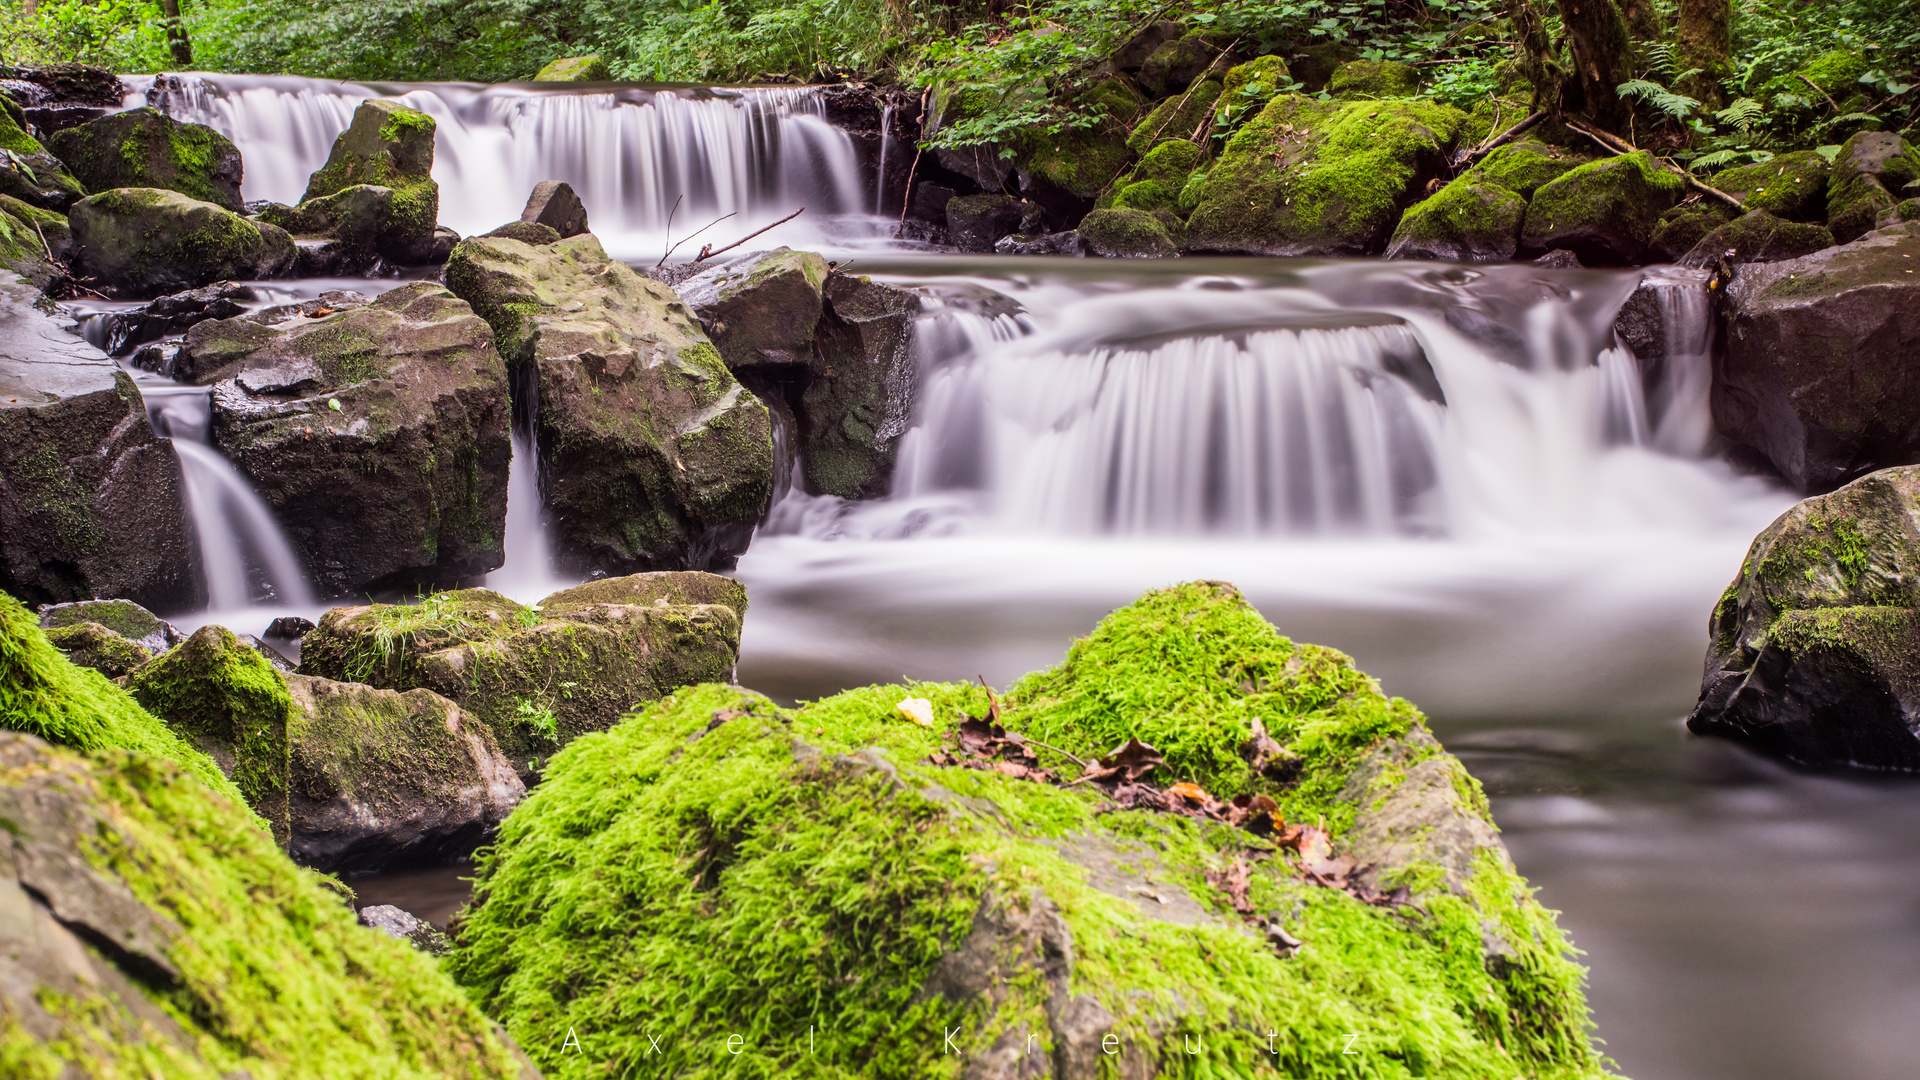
(707, 252)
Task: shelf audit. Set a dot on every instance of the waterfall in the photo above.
(637, 156)
(244, 555)
(886, 147)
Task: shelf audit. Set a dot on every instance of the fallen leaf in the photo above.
(917, 709)
(1234, 881)
(1188, 790)
(1133, 757)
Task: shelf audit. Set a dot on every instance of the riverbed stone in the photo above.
(90, 498)
(1308, 177)
(761, 310)
(853, 413)
(123, 617)
(653, 455)
(1813, 646)
(375, 197)
(1123, 233)
(1468, 221)
(1680, 228)
(145, 242)
(1178, 117)
(537, 678)
(977, 222)
(146, 148)
(1757, 237)
(554, 204)
(1604, 211)
(1867, 172)
(377, 433)
(1002, 888)
(50, 186)
(1818, 378)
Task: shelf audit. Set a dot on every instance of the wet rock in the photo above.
(1603, 211)
(1157, 181)
(146, 148)
(1756, 237)
(929, 202)
(1561, 259)
(1467, 221)
(1818, 377)
(123, 617)
(761, 310)
(41, 232)
(1791, 186)
(1868, 170)
(1131, 234)
(554, 205)
(401, 924)
(49, 186)
(1307, 177)
(673, 588)
(141, 242)
(375, 199)
(1680, 228)
(1133, 53)
(90, 499)
(54, 97)
(1064, 173)
(653, 455)
(378, 778)
(290, 628)
(122, 332)
(1813, 646)
(148, 949)
(977, 222)
(378, 432)
(575, 69)
(1060, 243)
(1374, 79)
(91, 645)
(854, 411)
(535, 677)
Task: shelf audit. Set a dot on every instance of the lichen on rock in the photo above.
(145, 242)
(146, 148)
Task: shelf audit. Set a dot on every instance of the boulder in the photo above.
(859, 402)
(405, 926)
(1465, 222)
(143, 242)
(1060, 243)
(652, 455)
(1757, 237)
(1174, 65)
(527, 232)
(1818, 376)
(1181, 117)
(52, 97)
(1133, 53)
(42, 232)
(575, 69)
(669, 587)
(1792, 186)
(977, 222)
(44, 182)
(90, 498)
(379, 778)
(374, 199)
(138, 907)
(1812, 647)
(1867, 171)
(1308, 177)
(378, 433)
(1604, 211)
(122, 332)
(1680, 228)
(1065, 172)
(1370, 80)
(354, 231)
(1254, 83)
(213, 348)
(1314, 65)
(125, 618)
(226, 700)
(91, 645)
(554, 205)
(146, 148)
(763, 839)
(1131, 234)
(761, 310)
(537, 678)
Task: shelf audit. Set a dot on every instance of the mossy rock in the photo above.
(1172, 162)
(386, 146)
(1869, 168)
(1492, 116)
(153, 931)
(1178, 117)
(1259, 78)
(1525, 167)
(1467, 221)
(761, 310)
(1174, 66)
(1149, 195)
(1308, 177)
(227, 700)
(1083, 162)
(1314, 65)
(41, 231)
(1125, 233)
(575, 69)
(145, 242)
(1792, 186)
(925, 919)
(123, 617)
(535, 677)
(669, 587)
(852, 418)
(1835, 72)
(360, 226)
(1604, 212)
(1373, 80)
(1757, 237)
(146, 148)
(91, 645)
(51, 186)
(1680, 228)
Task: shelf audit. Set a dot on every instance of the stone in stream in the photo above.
(144, 242)
(90, 498)
(375, 200)
(1756, 237)
(652, 454)
(125, 331)
(1478, 216)
(403, 925)
(44, 182)
(538, 677)
(763, 838)
(1817, 376)
(1792, 185)
(377, 431)
(91, 645)
(554, 205)
(124, 617)
(1812, 648)
(1122, 233)
(1867, 172)
(977, 222)
(575, 69)
(146, 148)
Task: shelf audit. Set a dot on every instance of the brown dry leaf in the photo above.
(1189, 790)
(1133, 757)
(1234, 881)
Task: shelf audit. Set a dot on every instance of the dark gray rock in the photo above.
(289, 628)
(1867, 172)
(554, 204)
(527, 232)
(146, 148)
(141, 242)
(398, 923)
(122, 332)
(44, 182)
(1060, 243)
(977, 222)
(761, 310)
(854, 411)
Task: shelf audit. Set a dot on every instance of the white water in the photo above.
(528, 574)
(757, 154)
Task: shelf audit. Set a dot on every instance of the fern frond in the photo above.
(1743, 115)
(1677, 106)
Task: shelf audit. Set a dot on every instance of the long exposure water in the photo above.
(1453, 474)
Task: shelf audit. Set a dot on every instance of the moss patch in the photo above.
(91, 645)
(1374, 79)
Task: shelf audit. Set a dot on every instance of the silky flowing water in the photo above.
(1454, 474)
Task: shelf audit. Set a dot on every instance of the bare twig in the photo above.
(691, 235)
(906, 198)
(44, 246)
(1817, 90)
(1621, 146)
(707, 251)
(669, 234)
(1472, 157)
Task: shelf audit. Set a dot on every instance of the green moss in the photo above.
(1523, 167)
(1605, 210)
(123, 617)
(1171, 162)
(1465, 220)
(1257, 80)
(1794, 185)
(44, 694)
(91, 645)
(1183, 116)
(1374, 79)
(1126, 233)
(1491, 116)
(1835, 72)
(1149, 195)
(575, 69)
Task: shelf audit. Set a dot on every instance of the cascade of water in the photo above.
(631, 154)
(886, 146)
(1678, 400)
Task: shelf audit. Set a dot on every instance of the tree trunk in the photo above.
(1643, 20)
(1533, 53)
(177, 42)
(1602, 54)
(1705, 41)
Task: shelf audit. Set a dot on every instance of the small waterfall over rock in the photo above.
(637, 156)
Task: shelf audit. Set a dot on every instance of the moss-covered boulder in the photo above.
(1308, 177)
(535, 677)
(1792, 186)
(145, 242)
(1604, 212)
(90, 499)
(1123, 233)
(1818, 376)
(1867, 171)
(228, 701)
(44, 181)
(652, 454)
(375, 196)
(1813, 647)
(124, 617)
(1680, 228)
(1477, 217)
(854, 410)
(1081, 163)
(353, 231)
(1371, 80)
(1176, 64)
(673, 588)
(41, 232)
(151, 930)
(378, 433)
(761, 310)
(1157, 181)
(1183, 116)
(897, 897)
(575, 69)
(1254, 82)
(91, 645)
(1757, 237)
(378, 778)
(146, 148)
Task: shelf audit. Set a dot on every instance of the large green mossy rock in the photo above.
(227, 700)
(1183, 116)
(1604, 211)
(146, 148)
(1477, 217)
(1757, 237)
(1176, 64)
(536, 677)
(1792, 186)
(1813, 647)
(1684, 226)
(1374, 79)
(575, 69)
(39, 232)
(144, 242)
(1308, 177)
(878, 914)
(1082, 162)
(378, 433)
(1126, 233)
(376, 194)
(653, 455)
(43, 182)
(123, 617)
(1868, 172)
(148, 929)
(91, 645)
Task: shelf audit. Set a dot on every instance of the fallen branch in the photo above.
(707, 251)
(906, 197)
(691, 235)
(1492, 143)
(1817, 90)
(669, 231)
(1620, 146)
